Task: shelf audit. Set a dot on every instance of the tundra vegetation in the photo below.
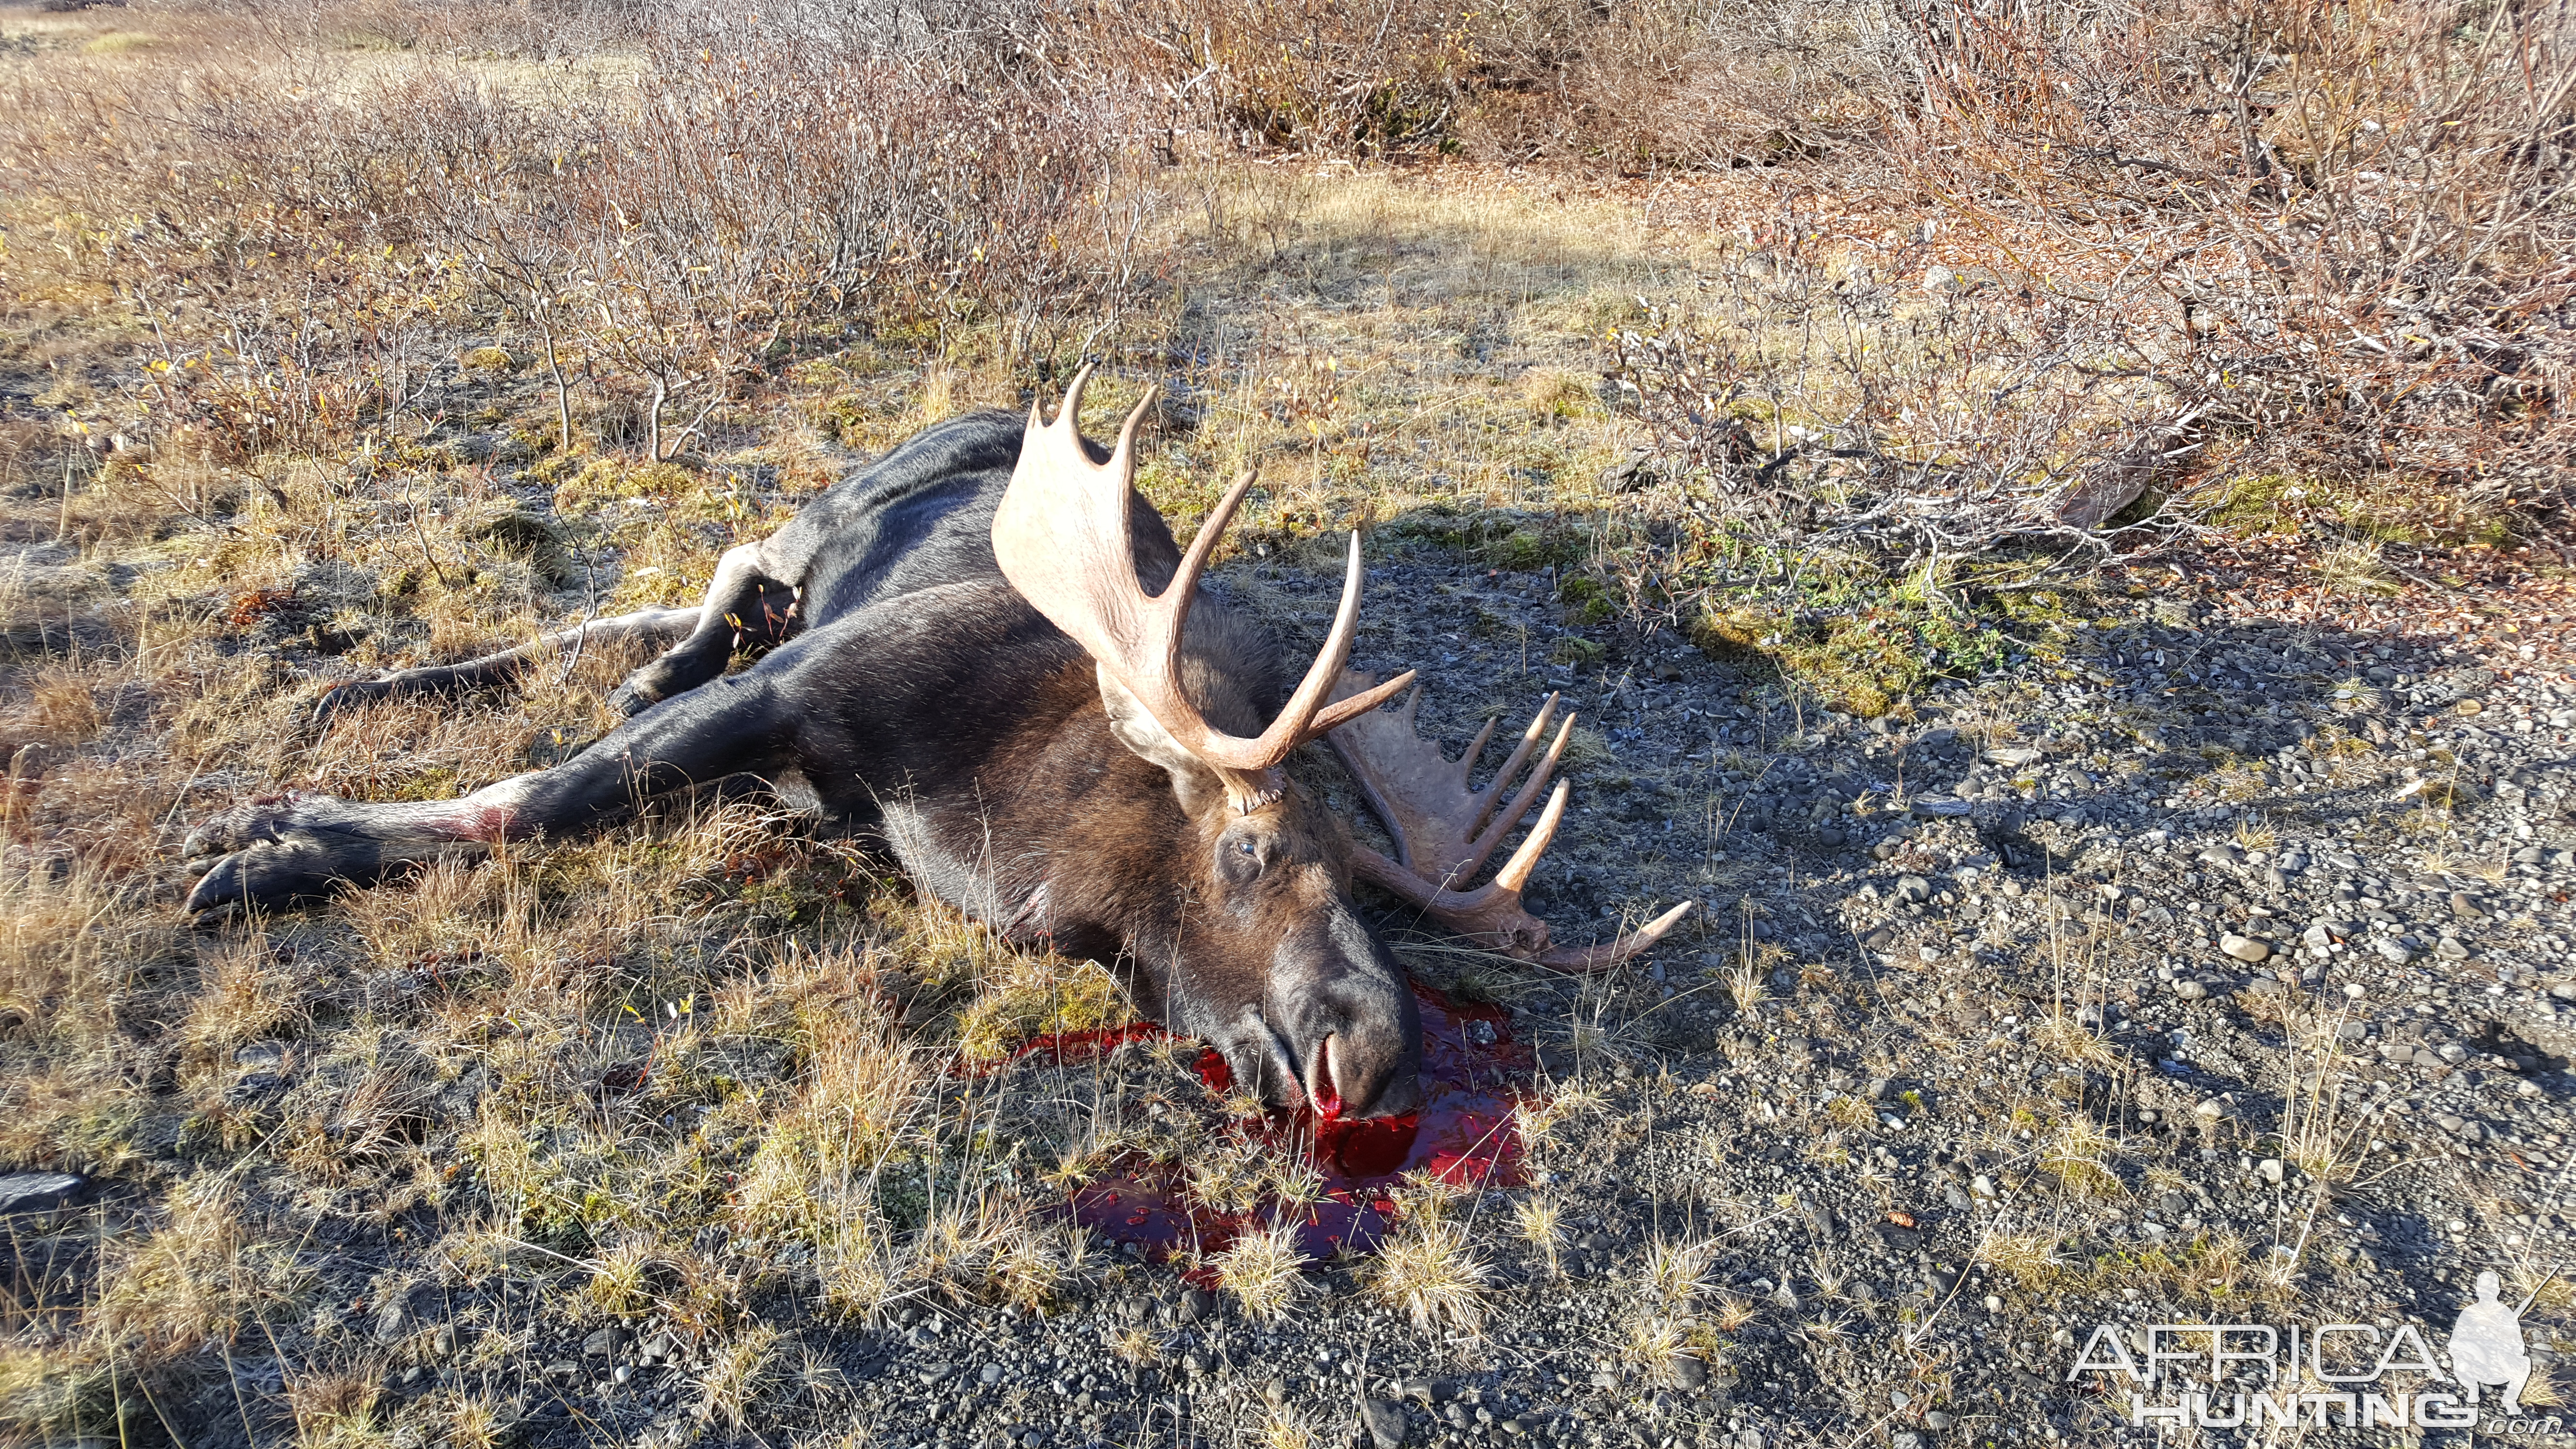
(2054, 517)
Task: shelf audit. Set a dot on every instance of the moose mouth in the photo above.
(1321, 1089)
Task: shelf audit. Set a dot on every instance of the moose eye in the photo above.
(1240, 859)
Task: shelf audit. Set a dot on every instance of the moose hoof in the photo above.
(268, 874)
(631, 699)
(278, 851)
(356, 694)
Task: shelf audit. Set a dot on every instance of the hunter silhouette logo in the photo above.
(2205, 1375)
(2486, 1345)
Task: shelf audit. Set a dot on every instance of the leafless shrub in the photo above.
(1840, 414)
(2343, 228)
(307, 255)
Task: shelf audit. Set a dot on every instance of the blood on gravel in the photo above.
(1473, 1073)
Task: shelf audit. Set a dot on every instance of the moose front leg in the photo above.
(280, 849)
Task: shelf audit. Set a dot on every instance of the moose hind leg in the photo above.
(509, 667)
(747, 606)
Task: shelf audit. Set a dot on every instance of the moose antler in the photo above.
(1444, 830)
(1063, 537)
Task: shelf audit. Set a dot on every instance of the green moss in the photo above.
(1587, 602)
(529, 539)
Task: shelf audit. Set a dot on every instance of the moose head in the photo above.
(1265, 955)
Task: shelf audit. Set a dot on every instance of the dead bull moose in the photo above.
(966, 665)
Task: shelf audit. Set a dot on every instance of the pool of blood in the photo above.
(1473, 1073)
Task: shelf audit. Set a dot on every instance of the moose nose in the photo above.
(1352, 1024)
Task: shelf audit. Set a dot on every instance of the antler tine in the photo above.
(1064, 539)
(1504, 819)
(1396, 770)
(1602, 957)
(1511, 762)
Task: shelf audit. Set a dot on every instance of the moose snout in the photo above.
(1350, 1022)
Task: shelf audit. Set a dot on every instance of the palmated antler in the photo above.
(1062, 535)
(1444, 830)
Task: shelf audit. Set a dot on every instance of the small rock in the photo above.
(2391, 949)
(1195, 1304)
(2450, 949)
(2190, 990)
(992, 1374)
(603, 1344)
(1904, 1439)
(2248, 949)
(36, 1192)
(264, 1055)
(1937, 1422)
(1690, 1371)
(1913, 890)
(2466, 908)
(562, 1368)
(389, 1323)
(2317, 936)
(443, 1342)
(2273, 1170)
(1607, 1380)
(2015, 756)
(2221, 855)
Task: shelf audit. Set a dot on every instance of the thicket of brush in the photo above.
(2248, 239)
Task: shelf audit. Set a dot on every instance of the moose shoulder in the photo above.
(988, 653)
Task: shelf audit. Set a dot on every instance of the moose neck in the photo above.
(1095, 852)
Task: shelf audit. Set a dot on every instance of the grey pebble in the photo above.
(36, 1192)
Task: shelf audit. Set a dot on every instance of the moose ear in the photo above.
(1197, 786)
